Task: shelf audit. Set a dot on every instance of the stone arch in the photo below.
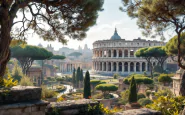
(114, 53)
(109, 53)
(126, 66)
(104, 66)
(131, 53)
(109, 66)
(100, 66)
(120, 53)
(143, 66)
(126, 53)
(154, 64)
(120, 66)
(137, 66)
(149, 67)
(114, 66)
(131, 66)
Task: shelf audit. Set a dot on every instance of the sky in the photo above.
(108, 19)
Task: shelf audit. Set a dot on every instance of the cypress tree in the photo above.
(77, 76)
(87, 87)
(132, 91)
(81, 75)
(73, 78)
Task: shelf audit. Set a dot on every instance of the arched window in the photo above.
(120, 53)
(100, 66)
(154, 64)
(101, 54)
(120, 66)
(131, 66)
(115, 53)
(143, 66)
(126, 53)
(104, 66)
(131, 53)
(109, 66)
(126, 66)
(109, 53)
(114, 65)
(137, 66)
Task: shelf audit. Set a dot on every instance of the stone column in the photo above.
(128, 52)
(134, 66)
(102, 53)
(107, 54)
(112, 51)
(122, 66)
(117, 66)
(103, 66)
(112, 66)
(128, 67)
(123, 53)
(146, 66)
(117, 52)
(140, 66)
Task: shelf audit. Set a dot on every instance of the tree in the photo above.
(143, 52)
(116, 76)
(159, 16)
(171, 47)
(132, 91)
(57, 57)
(81, 75)
(76, 54)
(144, 101)
(61, 17)
(77, 78)
(26, 55)
(73, 77)
(164, 78)
(139, 80)
(159, 53)
(94, 83)
(17, 72)
(106, 88)
(87, 87)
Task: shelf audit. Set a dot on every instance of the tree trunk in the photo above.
(5, 40)
(182, 89)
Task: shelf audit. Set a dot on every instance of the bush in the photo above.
(8, 80)
(116, 76)
(47, 93)
(148, 92)
(164, 78)
(168, 105)
(144, 101)
(124, 97)
(140, 95)
(25, 81)
(165, 92)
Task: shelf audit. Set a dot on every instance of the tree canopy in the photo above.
(50, 19)
(26, 55)
(106, 87)
(164, 78)
(155, 17)
(57, 57)
(76, 54)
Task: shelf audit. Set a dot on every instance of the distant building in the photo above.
(116, 55)
(35, 74)
(177, 82)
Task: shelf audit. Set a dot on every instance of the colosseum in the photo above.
(116, 55)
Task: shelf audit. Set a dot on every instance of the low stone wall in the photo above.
(74, 107)
(143, 111)
(26, 108)
(19, 94)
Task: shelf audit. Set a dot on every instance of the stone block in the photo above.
(27, 109)
(38, 113)
(143, 111)
(19, 94)
(35, 108)
(42, 108)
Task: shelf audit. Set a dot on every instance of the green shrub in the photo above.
(26, 81)
(144, 101)
(164, 92)
(132, 91)
(140, 95)
(124, 97)
(116, 76)
(47, 93)
(148, 92)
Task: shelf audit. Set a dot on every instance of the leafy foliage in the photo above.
(47, 93)
(9, 81)
(116, 76)
(106, 87)
(168, 105)
(17, 72)
(144, 101)
(57, 57)
(76, 54)
(164, 92)
(94, 83)
(140, 96)
(132, 91)
(124, 97)
(26, 81)
(164, 78)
